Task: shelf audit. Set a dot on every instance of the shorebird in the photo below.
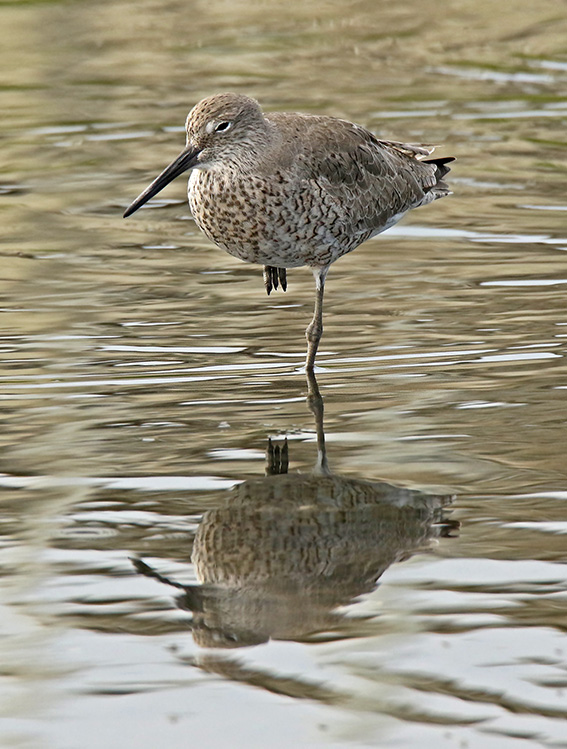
(287, 189)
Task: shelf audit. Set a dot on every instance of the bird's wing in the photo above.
(372, 179)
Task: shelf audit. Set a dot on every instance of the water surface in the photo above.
(175, 568)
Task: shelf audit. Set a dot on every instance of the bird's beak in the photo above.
(186, 160)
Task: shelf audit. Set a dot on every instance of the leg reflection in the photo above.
(282, 552)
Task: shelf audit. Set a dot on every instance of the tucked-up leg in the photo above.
(315, 328)
(268, 279)
(282, 275)
(273, 277)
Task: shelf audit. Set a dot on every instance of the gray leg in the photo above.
(315, 328)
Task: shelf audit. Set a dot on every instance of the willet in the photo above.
(287, 189)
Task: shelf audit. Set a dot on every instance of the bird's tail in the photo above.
(441, 189)
(441, 164)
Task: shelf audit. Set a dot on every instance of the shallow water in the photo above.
(173, 571)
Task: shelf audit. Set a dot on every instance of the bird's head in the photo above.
(222, 130)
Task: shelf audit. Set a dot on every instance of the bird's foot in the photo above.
(273, 277)
(282, 275)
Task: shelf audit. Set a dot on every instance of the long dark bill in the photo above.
(186, 159)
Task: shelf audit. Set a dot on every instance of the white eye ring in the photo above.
(222, 127)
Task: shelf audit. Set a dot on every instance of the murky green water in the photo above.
(417, 596)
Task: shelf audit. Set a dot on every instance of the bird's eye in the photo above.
(222, 126)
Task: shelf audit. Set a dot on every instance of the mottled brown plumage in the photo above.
(288, 189)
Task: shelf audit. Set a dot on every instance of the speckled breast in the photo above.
(275, 221)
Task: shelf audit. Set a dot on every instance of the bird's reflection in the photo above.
(283, 552)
